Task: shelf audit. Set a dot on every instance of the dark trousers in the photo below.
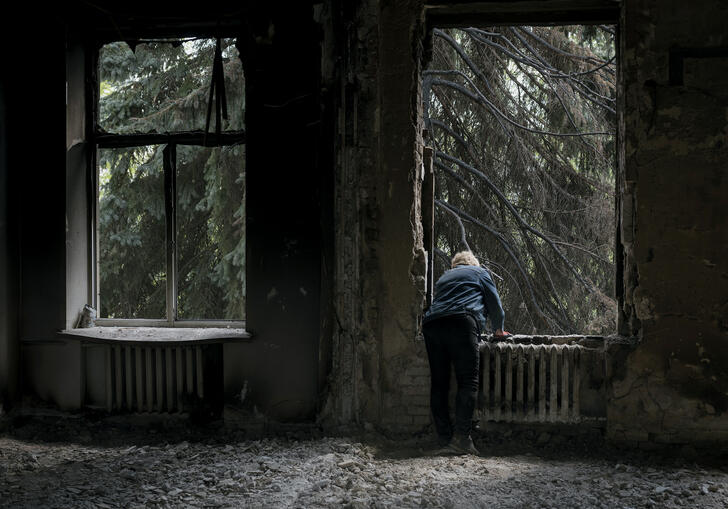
(453, 340)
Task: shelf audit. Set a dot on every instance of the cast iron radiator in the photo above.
(154, 378)
(529, 383)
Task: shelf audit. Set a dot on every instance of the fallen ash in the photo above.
(54, 462)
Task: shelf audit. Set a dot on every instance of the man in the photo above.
(465, 296)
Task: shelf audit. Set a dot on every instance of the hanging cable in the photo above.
(217, 93)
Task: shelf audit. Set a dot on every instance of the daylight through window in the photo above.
(522, 121)
(170, 220)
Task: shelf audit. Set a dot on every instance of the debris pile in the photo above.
(127, 468)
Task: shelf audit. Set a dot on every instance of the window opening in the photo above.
(170, 243)
(522, 120)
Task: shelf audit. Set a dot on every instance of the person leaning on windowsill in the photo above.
(465, 296)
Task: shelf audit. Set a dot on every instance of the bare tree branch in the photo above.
(523, 133)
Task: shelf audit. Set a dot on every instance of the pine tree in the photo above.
(158, 88)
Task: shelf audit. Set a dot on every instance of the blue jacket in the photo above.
(467, 289)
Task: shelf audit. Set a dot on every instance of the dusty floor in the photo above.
(74, 463)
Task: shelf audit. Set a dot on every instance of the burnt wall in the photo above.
(284, 175)
(673, 386)
(379, 371)
(402, 258)
(32, 253)
(666, 374)
(9, 260)
(335, 258)
(44, 212)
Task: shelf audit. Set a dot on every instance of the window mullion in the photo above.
(170, 205)
(91, 121)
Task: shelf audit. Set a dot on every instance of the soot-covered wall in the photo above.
(673, 386)
(335, 254)
(43, 233)
(668, 372)
(286, 172)
(32, 209)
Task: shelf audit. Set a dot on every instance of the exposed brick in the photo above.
(403, 419)
(405, 380)
(420, 381)
(419, 406)
(636, 435)
(419, 410)
(419, 371)
(415, 390)
(421, 420)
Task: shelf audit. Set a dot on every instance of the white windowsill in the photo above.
(583, 341)
(179, 335)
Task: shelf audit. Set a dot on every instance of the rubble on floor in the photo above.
(52, 462)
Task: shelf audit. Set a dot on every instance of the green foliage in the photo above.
(131, 233)
(211, 240)
(162, 88)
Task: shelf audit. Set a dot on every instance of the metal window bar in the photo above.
(170, 214)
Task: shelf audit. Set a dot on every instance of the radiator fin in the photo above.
(153, 379)
(530, 383)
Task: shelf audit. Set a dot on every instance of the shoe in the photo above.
(460, 445)
(443, 441)
(439, 446)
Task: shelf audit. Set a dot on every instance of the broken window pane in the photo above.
(211, 232)
(131, 233)
(163, 87)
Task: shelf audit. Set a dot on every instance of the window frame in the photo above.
(440, 17)
(100, 139)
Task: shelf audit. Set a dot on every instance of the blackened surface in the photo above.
(38, 163)
(9, 257)
(674, 386)
(281, 58)
(520, 12)
(32, 167)
(212, 370)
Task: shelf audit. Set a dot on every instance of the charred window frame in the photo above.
(171, 141)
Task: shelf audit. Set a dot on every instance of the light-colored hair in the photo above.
(464, 258)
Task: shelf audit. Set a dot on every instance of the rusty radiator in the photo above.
(530, 383)
(153, 378)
